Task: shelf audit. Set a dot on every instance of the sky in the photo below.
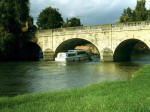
(90, 12)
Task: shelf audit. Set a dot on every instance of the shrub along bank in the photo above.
(120, 96)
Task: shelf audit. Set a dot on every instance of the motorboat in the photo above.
(72, 55)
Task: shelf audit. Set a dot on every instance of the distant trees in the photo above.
(49, 18)
(140, 11)
(127, 15)
(72, 22)
(139, 14)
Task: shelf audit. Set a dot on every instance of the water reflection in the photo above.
(13, 79)
(34, 77)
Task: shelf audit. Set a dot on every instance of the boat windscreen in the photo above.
(69, 55)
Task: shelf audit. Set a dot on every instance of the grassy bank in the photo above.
(121, 96)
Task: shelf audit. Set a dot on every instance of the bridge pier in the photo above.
(48, 55)
(107, 58)
(107, 55)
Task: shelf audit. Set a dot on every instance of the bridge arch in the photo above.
(124, 50)
(70, 44)
(31, 51)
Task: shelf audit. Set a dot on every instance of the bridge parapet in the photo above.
(100, 28)
(139, 25)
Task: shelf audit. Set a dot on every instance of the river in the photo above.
(18, 78)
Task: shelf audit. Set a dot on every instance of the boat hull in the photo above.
(72, 55)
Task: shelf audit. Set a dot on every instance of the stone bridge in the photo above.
(113, 41)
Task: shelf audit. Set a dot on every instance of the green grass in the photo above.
(120, 96)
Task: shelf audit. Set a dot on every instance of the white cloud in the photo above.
(89, 11)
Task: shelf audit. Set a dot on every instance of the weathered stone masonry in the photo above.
(105, 37)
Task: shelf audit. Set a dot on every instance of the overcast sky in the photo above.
(91, 12)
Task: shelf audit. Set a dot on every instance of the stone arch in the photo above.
(31, 51)
(70, 44)
(124, 49)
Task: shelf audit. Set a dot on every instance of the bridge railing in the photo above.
(131, 25)
(103, 27)
(84, 28)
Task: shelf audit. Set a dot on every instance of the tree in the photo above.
(140, 11)
(49, 18)
(127, 15)
(72, 22)
(139, 14)
(75, 22)
(148, 17)
(67, 23)
(22, 10)
(13, 16)
(30, 26)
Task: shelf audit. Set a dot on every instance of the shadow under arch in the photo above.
(124, 50)
(70, 44)
(31, 52)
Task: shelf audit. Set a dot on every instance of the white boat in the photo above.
(72, 55)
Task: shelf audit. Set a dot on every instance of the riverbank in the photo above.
(120, 96)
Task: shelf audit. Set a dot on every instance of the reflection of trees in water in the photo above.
(14, 79)
(34, 77)
(121, 70)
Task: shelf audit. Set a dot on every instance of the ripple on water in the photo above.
(34, 77)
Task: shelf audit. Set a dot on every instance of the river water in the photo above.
(18, 78)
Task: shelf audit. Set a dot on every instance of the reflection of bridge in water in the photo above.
(114, 42)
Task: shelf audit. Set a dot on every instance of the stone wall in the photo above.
(105, 37)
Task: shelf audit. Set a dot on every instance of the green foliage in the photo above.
(139, 14)
(66, 24)
(22, 10)
(72, 22)
(5, 38)
(120, 96)
(7, 16)
(49, 18)
(148, 17)
(13, 16)
(141, 11)
(31, 28)
(127, 15)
